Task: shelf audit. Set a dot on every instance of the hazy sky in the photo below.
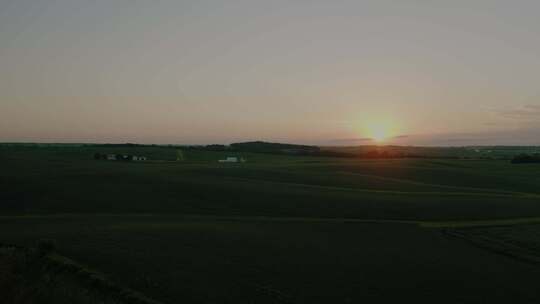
(429, 72)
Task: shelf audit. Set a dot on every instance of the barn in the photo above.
(230, 159)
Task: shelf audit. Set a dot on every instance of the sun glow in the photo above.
(380, 131)
(379, 134)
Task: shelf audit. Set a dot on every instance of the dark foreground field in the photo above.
(210, 260)
(281, 229)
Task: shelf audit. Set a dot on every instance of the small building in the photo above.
(122, 157)
(111, 156)
(125, 157)
(230, 159)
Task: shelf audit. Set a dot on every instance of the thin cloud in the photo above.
(351, 140)
(524, 136)
(363, 140)
(523, 113)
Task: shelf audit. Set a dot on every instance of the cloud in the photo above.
(351, 140)
(523, 113)
(361, 140)
(524, 136)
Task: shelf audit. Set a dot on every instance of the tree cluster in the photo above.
(526, 158)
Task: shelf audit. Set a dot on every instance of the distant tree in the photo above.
(97, 156)
(526, 158)
(276, 148)
(371, 154)
(216, 147)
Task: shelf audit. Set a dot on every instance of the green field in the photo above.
(282, 229)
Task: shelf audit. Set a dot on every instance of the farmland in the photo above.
(281, 228)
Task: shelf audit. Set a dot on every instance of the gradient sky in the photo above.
(459, 72)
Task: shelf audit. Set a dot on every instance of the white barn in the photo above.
(111, 156)
(126, 157)
(230, 159)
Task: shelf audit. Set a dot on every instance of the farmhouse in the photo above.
(117, 157)
(132, 157)
(229, 159)
(232, 159)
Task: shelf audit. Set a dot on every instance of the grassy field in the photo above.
(518, 241)
(219, 260)
(280, 229)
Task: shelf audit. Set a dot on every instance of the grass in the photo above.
(29, 275)
(482, 223)
(279, 229)
(519, 240)
(208, 260)
(41, 181)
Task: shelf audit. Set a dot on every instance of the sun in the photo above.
(380, 131)
(376, 129)
(379, 135)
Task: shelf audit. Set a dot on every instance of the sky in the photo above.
(408, 72)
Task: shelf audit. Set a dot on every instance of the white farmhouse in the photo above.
(229, 159)
(111, 156)
(126, 157)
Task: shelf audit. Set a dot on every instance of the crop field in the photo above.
(281, 229)
(219, 260)
(521, 242)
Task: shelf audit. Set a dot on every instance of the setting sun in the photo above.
(379, 131)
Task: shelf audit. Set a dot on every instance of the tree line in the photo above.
(526, 158)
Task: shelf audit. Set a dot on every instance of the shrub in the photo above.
(46, 246)
(526, 158)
